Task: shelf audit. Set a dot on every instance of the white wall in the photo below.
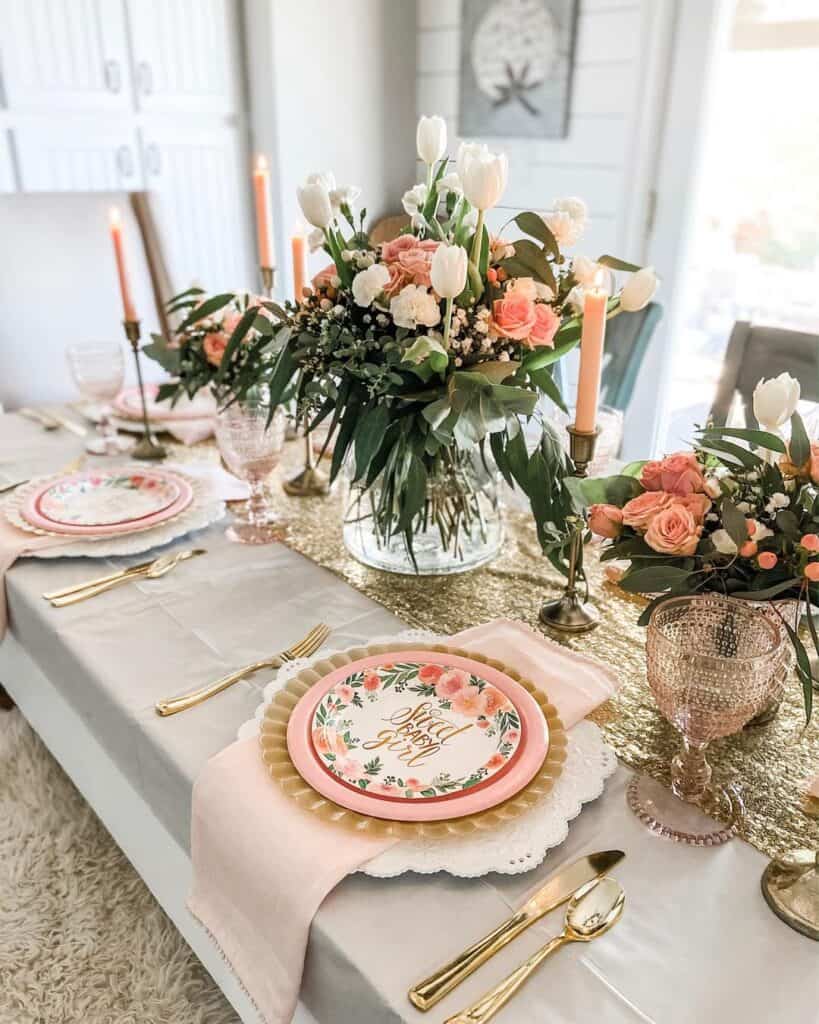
(58, 285)
(332, 88)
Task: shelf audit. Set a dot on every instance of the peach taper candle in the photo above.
(591, 357)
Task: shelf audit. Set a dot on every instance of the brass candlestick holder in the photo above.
(309, 482)
(790, 885)
(147, 448)
(568, 614)
(268, 276)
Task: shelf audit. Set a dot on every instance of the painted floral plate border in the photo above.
(167, 487)
(276, 756)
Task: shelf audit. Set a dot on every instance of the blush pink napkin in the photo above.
(262, 866)
(14, 543)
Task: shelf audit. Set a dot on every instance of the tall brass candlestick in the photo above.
(568, 614)
(147, 448)
(268, 276)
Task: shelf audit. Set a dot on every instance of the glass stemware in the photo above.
(712, 664)
(98, 369)
(251, 448)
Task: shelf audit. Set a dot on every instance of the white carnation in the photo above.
(414, 305)
(368, 284)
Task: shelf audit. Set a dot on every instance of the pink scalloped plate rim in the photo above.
(522, 768)
(30, 508)
(128, 403)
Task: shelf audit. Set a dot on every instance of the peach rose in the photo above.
(606, 520)
(371, 682)
(767, 560)
(810, 542)
(328, 741)
(812, 571)
(415, 264)
(495, 761)
(673, 531)
(413, 785)
(494, 700)
(230, 322)
(639, 512)
(677, 474)
(513, 317)
(390, 251)
(697, 504)
(814, 462)
(398, 280)
(324, 278)
(343, 692)
(545, 329)
(214, 346)
(469, 702)
(430, 673)
(451, 683)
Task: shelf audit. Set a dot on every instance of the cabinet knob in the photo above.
(125, 161)
(146, 78)
(113, 76)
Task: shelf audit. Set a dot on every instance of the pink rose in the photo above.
(390, 251)
(384, 788)
(677, 474)
(398, 280)
(606, 520)
(513, 316)
(495, 761)
(451, 683)
(343, 692)
(673, 531)
(416, 263)
(639, 512)
(546, 325)
(430, 673)
(697, 504)
(469, 702)
(214, 346)
(814, 462)
(494, 700)
(324, 278)
(372, 682)
(349, 768)
(511, 735)
(413, 785)
(482, 723)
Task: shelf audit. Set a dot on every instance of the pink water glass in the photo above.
(713, 663)
(98, 369)
(251, 442)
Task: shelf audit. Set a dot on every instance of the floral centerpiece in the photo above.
(194, 353)
(739, 515)
(427, 356)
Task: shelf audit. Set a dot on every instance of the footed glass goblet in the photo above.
(712, 664)
(251, 444)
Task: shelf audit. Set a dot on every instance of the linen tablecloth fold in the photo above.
(13, 544)
(262, 866)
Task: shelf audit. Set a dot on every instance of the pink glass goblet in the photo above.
(250, 442)
(712, 664)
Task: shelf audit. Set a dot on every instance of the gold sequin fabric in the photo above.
(770, 763)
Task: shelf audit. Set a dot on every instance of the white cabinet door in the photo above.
(85, 154)
(185, 55)
(200, 180)
(7, 176)
(65, 55)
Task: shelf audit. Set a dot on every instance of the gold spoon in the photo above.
(592, 910)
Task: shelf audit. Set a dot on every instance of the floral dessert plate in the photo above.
(106, 501)
(129, 404)
(417, 736)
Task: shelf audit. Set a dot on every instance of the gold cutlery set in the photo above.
(152, 570)
(595, 903)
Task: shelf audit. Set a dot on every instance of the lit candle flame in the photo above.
(114, 217)
(261, 164)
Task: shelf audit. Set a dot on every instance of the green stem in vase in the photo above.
(447, 322)
(477, 240)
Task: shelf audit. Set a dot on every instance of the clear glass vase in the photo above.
(459, 527)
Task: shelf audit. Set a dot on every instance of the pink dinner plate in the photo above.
(417, 736)
(128, 403)
(82, 489)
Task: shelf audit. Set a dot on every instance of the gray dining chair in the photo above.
(755, 352)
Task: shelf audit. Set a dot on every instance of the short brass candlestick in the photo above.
(147, 448)
(268, 276)
(310, 481)
(568, 614)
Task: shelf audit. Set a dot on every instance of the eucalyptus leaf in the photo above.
(617, 264)
(653, 579)
(534, 225)
(759, 438)
(734, 522)
(800, 445)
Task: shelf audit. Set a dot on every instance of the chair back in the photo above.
(627, 339)
(755, 352)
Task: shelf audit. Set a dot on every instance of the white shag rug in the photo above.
(81, 937)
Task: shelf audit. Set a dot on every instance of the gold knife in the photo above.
(557, 890)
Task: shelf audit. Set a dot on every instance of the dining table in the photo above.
(696, 941)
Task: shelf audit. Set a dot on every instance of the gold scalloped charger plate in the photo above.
(273, 741)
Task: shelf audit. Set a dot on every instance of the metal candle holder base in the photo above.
(568, 614)
(268, 276)
(146, 448)
(308, 482)
(790, 886)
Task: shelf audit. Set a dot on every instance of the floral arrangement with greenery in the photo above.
(194, 353)
(739, 515)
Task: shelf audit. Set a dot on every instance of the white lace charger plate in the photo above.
(510, 849)
(206, 508)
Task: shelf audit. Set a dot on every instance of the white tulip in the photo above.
(639, 290)
(414, 199)
(468, 151)
(314, 199)
(585, 271)
(430, 138)
(368, 284)
(344, 195)
(450, 183)
(775, 401)
(721, 539)
(315, 240)
(326, 179)
(415, 305)
(484, 177)
(448, 270)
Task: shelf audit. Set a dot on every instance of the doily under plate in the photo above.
(511, 849)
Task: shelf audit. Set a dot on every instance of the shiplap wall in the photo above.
(609, 154)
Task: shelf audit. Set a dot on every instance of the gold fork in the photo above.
(303, 649)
